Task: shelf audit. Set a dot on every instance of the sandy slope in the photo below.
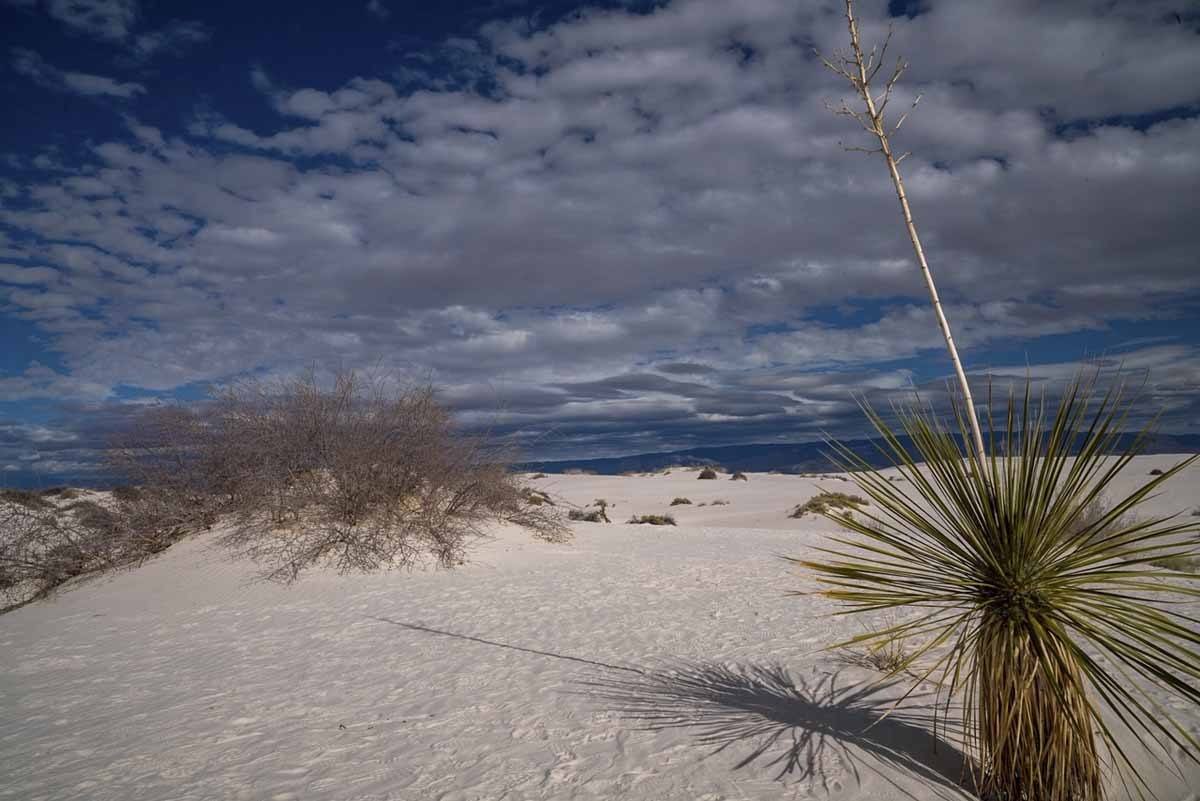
(637, 662)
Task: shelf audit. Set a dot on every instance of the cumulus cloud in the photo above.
(633, 230)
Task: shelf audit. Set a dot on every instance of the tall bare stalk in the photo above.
(860, 70)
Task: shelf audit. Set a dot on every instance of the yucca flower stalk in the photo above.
(1049, 623)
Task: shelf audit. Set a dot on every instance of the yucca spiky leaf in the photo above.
(1051, 624)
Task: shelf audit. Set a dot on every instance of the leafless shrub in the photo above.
(358, 476)
(41, 548)
(707, 473)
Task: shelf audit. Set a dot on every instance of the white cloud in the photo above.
(633, 190)
(378, 10)
(30, 64)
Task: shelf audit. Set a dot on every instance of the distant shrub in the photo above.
(537, 476)
(578, 471)
(719, 503)
(652, 520)
(125, 492)
(681, 501)
(66, 493)
(707, 473)
(27, 498)
(588, 516)
(537, 497)
(1155, 472)
(739, 477)
(826, 502)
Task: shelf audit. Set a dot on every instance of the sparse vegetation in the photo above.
(588, 516)
(27, 498)
(681, 502)
(707, 473)
(64, 493)
(652, 520)
(827, 502)
(537, 497)
(739, 477)
(1155, 472)
(719, 503)
(536, 476)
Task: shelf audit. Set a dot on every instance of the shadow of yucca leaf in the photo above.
(796, 726)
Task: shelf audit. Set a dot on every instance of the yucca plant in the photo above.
(1050, 625)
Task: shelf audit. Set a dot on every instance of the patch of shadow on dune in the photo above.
(798, 726)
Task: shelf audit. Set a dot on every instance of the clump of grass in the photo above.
(1039, 622)
(707, 473)
(588, 516)
(681, 502)
(739, 477)
(652, 520)
(66, 493)
(825, 502)
(719, 503)
(889, 655)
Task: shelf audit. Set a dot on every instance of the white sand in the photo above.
(637, 662)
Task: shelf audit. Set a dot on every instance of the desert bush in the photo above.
(536, 497)
(681, 501)
(1155, 472)
(26, 498)
(719, 503)
(359, 475)
(537, 476)
(652, 520)
(41, 548)
(125, 492)
(1047, 622)
(707, 473)
(588, 516)
(739, 477)
(825, 502)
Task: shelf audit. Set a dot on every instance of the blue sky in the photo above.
(599, 228)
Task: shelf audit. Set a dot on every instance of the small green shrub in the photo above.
(739, 477)
(652, 520)
(826, 502)
(681, 502)
(707, 473)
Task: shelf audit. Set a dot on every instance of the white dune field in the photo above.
(636, 662)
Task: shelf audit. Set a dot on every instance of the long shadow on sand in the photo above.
(798, 727)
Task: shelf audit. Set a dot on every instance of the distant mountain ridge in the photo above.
(802, 457)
